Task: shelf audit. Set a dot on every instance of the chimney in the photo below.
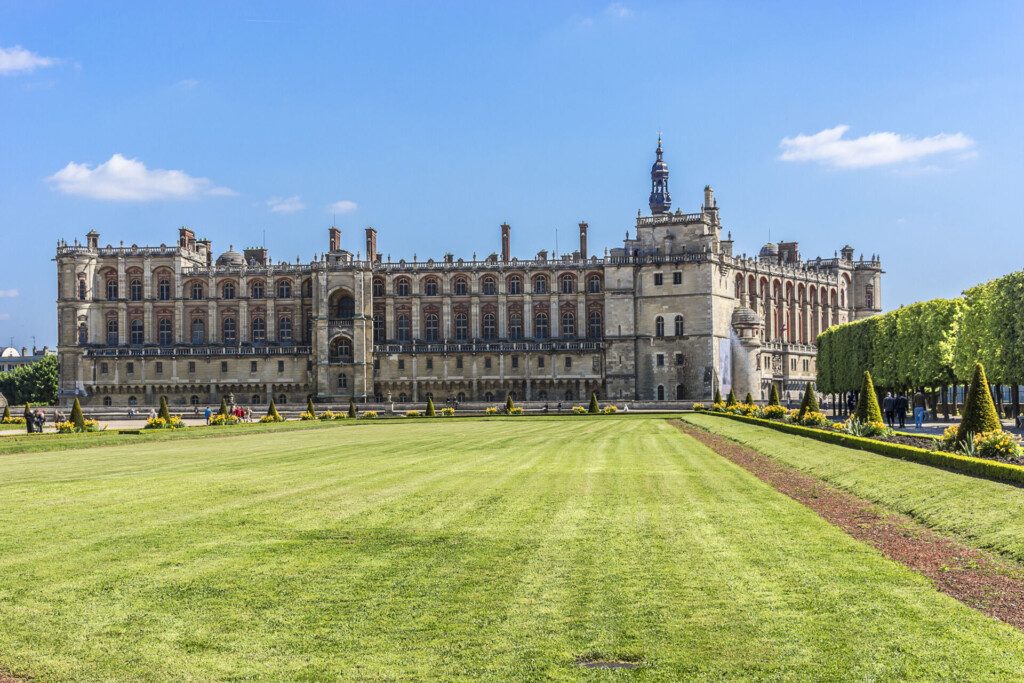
(186, 238)
(505, 242)
(335, 239)
(583, 240)
(709, 198)
(371, 245)
(92, 239)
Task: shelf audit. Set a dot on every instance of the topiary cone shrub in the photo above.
(867, 406)
(272, 412)
(773, 398)
(509, 404)
(979, 414)
(593, 408)
(223, 407)
(430, 407)
(77, 418)
(809, 403)
(164, 412)
(7, 414)
(730, 400)
(718, 396)
(748, 399)
(310, 408)
(351, 407)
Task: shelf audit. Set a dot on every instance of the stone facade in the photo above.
(672, 314)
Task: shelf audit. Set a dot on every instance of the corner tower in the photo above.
(660, 201)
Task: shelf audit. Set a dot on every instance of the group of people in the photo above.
(243, 414)
(894, 408)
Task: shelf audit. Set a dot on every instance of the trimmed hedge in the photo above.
(977, 467)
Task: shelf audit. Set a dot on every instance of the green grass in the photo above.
(983, 513)
(448, 550)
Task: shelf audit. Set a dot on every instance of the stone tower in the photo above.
(660, 201)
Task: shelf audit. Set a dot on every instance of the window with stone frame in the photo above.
(137, 333)
(540, 284)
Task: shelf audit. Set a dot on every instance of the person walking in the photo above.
(40, 418)
(207, 413)
(919, 404)
(889, 408)
(901, 409)
(30, 419)
(851, 403)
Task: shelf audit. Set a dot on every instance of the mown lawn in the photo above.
(985, 514)
(452, 549)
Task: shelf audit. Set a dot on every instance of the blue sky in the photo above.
(437, 122)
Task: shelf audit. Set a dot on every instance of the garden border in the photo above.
(963, 464)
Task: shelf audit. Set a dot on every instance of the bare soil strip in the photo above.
(987, 583)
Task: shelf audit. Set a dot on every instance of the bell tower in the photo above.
(661, 200)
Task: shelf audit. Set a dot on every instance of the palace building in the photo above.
(670, 315)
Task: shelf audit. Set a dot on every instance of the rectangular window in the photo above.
(487, 363)
(159, 368)
(191, 366)
(679, 359)
(280, 366)
(430, 364)
(792, 364)
(223, 366)
(677, 277)
(660, 360)
(540, 361)
(515, 361)
(401, 364)
(252, 366)
(596, 364)
(131, 368)
(103, 368)
(658, 279)
(458, 362)
(568, 362)
(376, 363)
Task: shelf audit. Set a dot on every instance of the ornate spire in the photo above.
(661, 200)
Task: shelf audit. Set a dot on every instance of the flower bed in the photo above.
(979, 467)
(174, 422)
(223, 420)
(69, 427)
(368, 415)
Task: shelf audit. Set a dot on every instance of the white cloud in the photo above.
(19, 60)
(8, 293)
(286, 204)
(128, 180)
(829, 147)
(618, 11)
(343, 206)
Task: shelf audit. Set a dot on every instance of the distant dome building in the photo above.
(231, 258)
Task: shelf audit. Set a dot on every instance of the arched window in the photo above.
(196, 291)
(228, 292)
(379, 329)
(659, 327)
(488, 396)
(378, 287)
(430, 287)
(284, 329)
(568, 324)
(460, 286)
(165, 332)
(540, 285)
(342, 381)
(402, 287)
(404, 328)
(341, 350)
(135, 290)
(83, 333)
(869, 296)
(594, 326)
(515, 326)
(594, 284)
(229, 330)
(489, 286)
(107, 401)
(132, 401)
(81, 290)
(461, 327)
(679, 326)
(680, 393)
(569, 395)
(540, 326)
(284, 289)
(515, 284)
(163, 290)
(307, 289)
(112, 332)
(431, 327)
(489, 327)
(282, 399)
(255, 399)
(137, 336)
(112, 289)
(567, 283)
(661, 392)
(257, 290)
(193, 400)
(346, 307)
(259, 329)
(198, 331)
